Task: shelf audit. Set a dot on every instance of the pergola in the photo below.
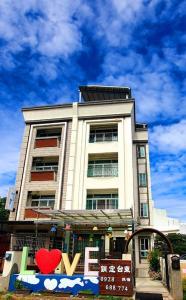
(81, 218)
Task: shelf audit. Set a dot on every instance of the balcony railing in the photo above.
(103, 136)
(45, 168)
(29, 240)
(43, 202)
(102, 203)
(103, 170)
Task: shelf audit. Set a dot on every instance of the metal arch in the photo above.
(183, 257)
(151, 230)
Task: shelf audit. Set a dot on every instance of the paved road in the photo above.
(150, 289)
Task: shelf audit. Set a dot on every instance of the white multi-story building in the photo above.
(84, 175)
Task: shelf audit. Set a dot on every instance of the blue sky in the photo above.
(49, 48)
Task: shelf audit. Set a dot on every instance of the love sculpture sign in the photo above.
(47, 261)
(113, 278)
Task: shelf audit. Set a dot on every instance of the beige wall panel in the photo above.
(141, 135)
(144, 222)
(142, 168)
(102, 147)
(47, 114)
(143, 190)
(48, 151)
(99, 183)
(143, 198)
(107, 110)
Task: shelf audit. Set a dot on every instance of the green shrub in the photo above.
(19, 285)
(153, 259)
(184, 285)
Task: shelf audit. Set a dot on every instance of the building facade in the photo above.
(84, 175)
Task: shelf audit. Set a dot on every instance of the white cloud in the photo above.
(65, 282)
(157, 94)
(170, 138)
(47, 27)
(32, 279)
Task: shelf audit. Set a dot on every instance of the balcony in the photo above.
(102, 201)
(103, 135)
(43, 202)
(44, 168)
(40, 200)
(102, 169)
(48, 138)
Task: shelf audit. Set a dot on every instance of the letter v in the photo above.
(70, 268)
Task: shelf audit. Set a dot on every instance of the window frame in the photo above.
(141, 181)
(142, 210)
(146, 249)
(110, 200)
(139, 153)
(42, 198)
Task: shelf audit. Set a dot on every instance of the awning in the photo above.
(113, 217)
(102, 93)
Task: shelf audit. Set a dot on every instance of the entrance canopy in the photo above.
(113, 217)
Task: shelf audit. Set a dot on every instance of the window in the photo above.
(144, 247)
(141, 151)
(144, 210)
(102, 201)
(47, 133)
(142, 177)
(103, 135)
(42, 200)
(102, 168)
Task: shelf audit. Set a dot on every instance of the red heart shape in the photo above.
(47, 260)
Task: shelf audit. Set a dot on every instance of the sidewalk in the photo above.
(146, 285)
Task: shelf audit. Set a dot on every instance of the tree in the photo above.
(177, 240)
(4, 214)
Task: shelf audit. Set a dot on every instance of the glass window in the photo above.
(102, 201)
(50, 132)
(34, 203)
(144, 247)
(103, 135)
(42, 200)
(144, 210)
(141, 151)
(89, 204)
(142, 179)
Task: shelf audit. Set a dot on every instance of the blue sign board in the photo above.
(56, 283)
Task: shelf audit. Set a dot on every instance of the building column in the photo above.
(72, 162)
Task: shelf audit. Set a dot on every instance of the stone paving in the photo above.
(146, 285)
